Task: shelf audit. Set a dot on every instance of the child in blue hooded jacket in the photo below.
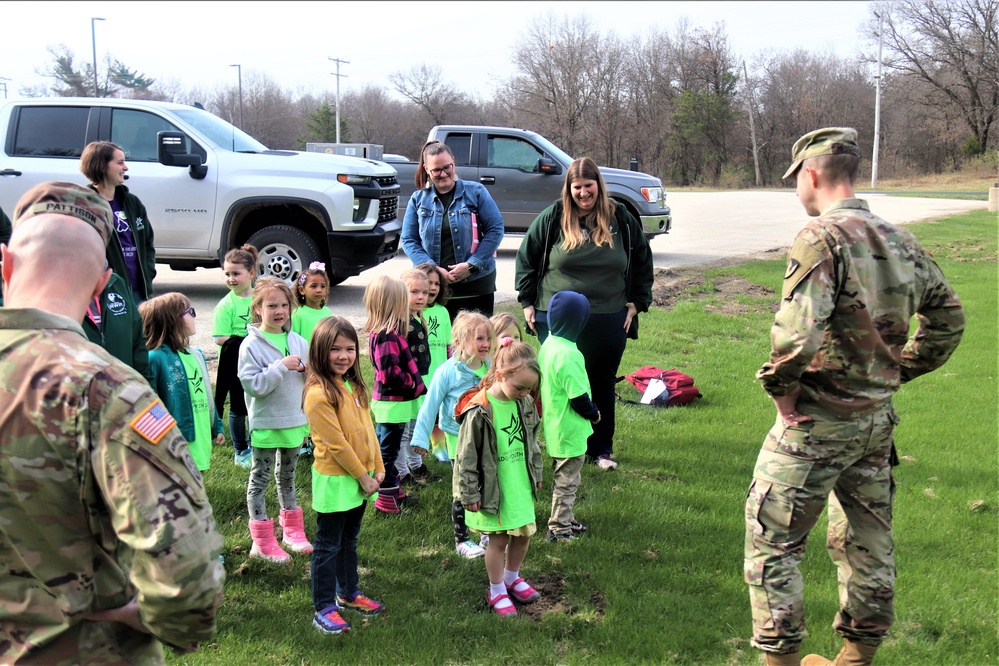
(569, 412)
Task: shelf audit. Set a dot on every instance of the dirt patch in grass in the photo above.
(689, 283)
(552, 600)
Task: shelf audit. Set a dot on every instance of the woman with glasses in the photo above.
(455, 225)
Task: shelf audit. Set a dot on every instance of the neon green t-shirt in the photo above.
(563, 373)
(201, 447)
(231, 316)
(389, 411)
(516, 499)
(304, 320)
(438, 336)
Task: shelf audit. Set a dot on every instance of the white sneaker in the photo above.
(484, 540)
(469, 549)
(606, 464)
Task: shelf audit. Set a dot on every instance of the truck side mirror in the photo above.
(549, 166)
(170, 152)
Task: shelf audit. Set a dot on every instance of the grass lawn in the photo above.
(658, 579)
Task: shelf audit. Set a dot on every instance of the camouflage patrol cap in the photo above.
(66, 199)
(825, 141)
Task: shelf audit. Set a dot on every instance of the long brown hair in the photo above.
(443, 289)
(430, 148)
(319, 371)
(163, 321)
(598, 224)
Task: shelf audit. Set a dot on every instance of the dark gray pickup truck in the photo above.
(524, 173)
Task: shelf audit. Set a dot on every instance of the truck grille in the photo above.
(388, 208)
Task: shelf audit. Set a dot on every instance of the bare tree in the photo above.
(425, 87)
(953, 46)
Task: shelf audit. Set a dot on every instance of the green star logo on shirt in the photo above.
(434, 325)
(515, 430)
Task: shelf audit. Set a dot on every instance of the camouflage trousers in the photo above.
(797, 469)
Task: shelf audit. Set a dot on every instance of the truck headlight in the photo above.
(652, 194)
(351, 179)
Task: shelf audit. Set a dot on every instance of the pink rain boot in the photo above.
(265, 545)
(388, 500)
(293, 527)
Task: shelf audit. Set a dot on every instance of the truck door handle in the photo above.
(487, 180)
(10, 172)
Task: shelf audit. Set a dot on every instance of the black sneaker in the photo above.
(423, 475)
(561, 538)
(577, 527)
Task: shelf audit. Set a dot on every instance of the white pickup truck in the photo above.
(209, 187)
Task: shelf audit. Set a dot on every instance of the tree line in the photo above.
(678, 99)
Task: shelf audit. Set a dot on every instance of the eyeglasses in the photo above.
(444, 169)
(189, 311)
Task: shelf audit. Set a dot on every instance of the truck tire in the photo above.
(285, 252)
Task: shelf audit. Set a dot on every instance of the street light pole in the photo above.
(93, 43)
(338, 75)
(877, 109)
(239, 72)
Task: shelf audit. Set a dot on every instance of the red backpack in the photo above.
(678, 388)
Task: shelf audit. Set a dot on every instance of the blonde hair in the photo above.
(320, 370)
(163, 321)
(511, 356)
(386, 302)
(598, 220)
(464, 328)
(265, 285)
(504, 320)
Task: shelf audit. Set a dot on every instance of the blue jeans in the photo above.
(334, 556)
(601, 342)
(390, 439)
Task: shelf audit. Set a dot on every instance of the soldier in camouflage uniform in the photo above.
(840, 349)
(108, 546)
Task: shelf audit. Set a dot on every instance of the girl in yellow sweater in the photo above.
(346, 471)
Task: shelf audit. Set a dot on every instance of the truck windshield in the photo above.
(222, 133)
(552, 148)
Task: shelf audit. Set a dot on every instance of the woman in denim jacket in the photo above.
(463, 251)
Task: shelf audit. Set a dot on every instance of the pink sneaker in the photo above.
(526, 595)
(506, 610)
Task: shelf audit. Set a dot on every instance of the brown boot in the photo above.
(852, 654)
(787, 659)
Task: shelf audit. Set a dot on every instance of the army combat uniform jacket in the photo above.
(852, 283)
(101, 503)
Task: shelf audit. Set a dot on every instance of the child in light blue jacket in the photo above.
(474, 340)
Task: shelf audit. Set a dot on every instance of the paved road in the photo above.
(706, 227)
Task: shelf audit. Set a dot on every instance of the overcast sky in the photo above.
(194, 43)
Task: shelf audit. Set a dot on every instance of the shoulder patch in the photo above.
(801, 259)
(153, 422)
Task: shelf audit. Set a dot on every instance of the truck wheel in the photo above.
(284, 252)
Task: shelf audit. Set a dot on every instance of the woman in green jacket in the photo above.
(131, 253)
(588, 243)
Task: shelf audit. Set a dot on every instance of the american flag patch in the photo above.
(153, 422)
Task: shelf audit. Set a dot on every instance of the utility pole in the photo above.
(877, 109)
(752, 125)
(3, 85)
(337, 74)
(93, 43)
